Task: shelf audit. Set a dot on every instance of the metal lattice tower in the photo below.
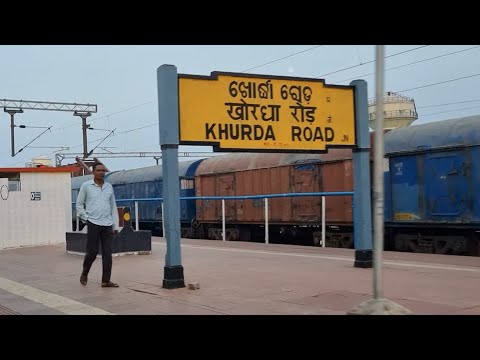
(13, 107)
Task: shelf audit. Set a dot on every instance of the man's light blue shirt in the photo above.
(97, 204)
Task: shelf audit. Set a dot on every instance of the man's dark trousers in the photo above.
(99, 234)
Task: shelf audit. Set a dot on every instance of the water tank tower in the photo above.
(41, 161)
(399, 111)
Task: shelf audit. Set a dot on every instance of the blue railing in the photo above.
(243, 197)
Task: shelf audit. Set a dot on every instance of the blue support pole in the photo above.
(168, 108)
(362, 214)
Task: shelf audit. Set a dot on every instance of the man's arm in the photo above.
(82, 194)
(113, 205)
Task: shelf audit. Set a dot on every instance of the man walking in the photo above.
(96, 206)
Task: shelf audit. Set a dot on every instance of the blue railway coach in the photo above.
(432, 185)
(145, 183)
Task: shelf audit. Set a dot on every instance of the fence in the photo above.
(241, 197)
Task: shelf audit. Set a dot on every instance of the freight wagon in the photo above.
(432, 186)
(291, 219)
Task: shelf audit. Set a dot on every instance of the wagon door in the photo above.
(337, 176)
(305, 179)
(225, 187)
(205, 186)
(153, 209)
(446, 185)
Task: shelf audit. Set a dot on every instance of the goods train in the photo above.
(432, 173)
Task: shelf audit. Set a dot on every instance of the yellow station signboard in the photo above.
(240, 112)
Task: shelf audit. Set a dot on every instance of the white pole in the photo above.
(78, 224)
(136, 215)
(266, 220)
(163, 222)
(378, 161)
(223, 220)
(323, 221)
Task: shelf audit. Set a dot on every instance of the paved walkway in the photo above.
(235, 278)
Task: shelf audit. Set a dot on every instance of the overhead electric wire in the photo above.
(412, 63)
(371, 61)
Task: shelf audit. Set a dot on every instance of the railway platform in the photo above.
(235, 278)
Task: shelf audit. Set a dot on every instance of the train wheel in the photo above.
(401, 242)
(195, 223)
(473, 246)
(346, 242)
(441, 247)
(317, 238)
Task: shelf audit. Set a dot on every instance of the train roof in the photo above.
(248, 161)
(186, 169)
(463, 131)
(77, 181)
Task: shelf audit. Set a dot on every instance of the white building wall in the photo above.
(24, 222)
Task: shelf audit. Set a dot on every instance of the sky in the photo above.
(121, 80)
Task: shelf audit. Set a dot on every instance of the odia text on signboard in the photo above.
(252, 112)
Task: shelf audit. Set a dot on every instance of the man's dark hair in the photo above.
(95, 165)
